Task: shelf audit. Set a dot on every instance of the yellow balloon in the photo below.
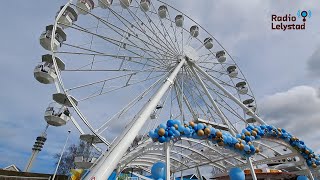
(219, 134)
(241, 146)
(200, 132)
(207, 131)
(161, 132)
(254, 133)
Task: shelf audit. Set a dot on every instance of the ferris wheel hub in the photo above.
(190, 53)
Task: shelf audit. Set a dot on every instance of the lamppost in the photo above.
(64, 147)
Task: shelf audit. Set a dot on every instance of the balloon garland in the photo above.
(241, 143)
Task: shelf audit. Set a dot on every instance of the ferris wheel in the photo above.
(122, 67)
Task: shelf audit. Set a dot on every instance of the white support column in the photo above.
(219, 112)
(253, 174)
(109, 162)
(244, 107)
(167, 151)
(62, 151)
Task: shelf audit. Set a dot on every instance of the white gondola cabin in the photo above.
(162, 11)
(57, 115)
(84, 6)
(194, 31)
(104, 4)
(145, 5)
(251, 120)
(63, 100)
(125, 3)
(45, 72)
(221, 56)
(232, 71)
(179, 20)
(69, 16)
(84, 163)
(45, 38)
(208, 43)
(242, 87)
(90, 138)
(250, 105)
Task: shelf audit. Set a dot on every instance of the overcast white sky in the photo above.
(282, 67)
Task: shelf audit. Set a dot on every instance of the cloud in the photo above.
(314, 63)
(296, 110)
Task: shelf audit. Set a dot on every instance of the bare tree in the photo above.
(67, 161)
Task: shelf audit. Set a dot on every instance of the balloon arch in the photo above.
(241, 143)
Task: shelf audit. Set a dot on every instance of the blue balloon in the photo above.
(252, 148)
(213, 131)
(176, 133)
(158, 170)
(181, 128)
(166, 134)
(246, 147)
(236, 174)
(200, 126)
(151, 134)
(163, 125)
(186, 131)
(177, 122)
(167, 139)
(302, 178)
(162, 139)
(170, 123)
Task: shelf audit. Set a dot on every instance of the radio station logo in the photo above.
(290, 22)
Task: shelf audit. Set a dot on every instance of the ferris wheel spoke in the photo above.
(115, 56)
(218, 111)
(153, 26)
(226, 106)
(115, 28)
(133, 72)
(198, 94)
(135, 17)
(126, 85)
(117, 43)
(103, 54)
(121, 19)
(130, 104)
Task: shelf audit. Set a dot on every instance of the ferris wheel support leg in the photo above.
(244, 107)
(253, 173)
(109, 162)
(167, 151)
(219, 112)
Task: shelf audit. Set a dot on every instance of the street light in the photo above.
(64, 147)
